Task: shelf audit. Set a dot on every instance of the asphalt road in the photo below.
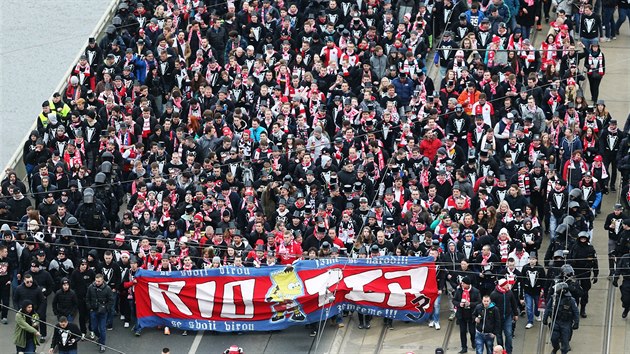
(40, 39)
(295, 340)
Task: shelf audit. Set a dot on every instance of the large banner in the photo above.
(272, 298)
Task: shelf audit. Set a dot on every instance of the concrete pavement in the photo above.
(40, 40)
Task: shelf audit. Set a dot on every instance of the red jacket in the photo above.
(429, 148)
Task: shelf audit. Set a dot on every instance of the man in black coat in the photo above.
(66, 336)
(80, 279)
(65, 301)
(28, 290)
(466, 299)
(47, 286)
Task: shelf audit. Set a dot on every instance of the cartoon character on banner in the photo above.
(286, 287)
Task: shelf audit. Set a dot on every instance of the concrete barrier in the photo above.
(15, 162)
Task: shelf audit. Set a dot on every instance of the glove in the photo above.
(615, 283)
(576, 326)
(595, 280)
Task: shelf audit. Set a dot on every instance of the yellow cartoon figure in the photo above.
(286, 287)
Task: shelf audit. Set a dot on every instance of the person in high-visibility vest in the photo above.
(59, 107)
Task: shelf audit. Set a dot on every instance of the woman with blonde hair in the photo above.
(383, 86)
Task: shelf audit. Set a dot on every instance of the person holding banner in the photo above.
(434, 319)
(129, 282)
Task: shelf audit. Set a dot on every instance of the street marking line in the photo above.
(195, 343)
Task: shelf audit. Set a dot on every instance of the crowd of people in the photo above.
(204, 134)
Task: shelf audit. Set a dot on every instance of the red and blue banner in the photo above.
(230, 299)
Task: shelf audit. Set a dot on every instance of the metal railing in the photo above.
(15, 162)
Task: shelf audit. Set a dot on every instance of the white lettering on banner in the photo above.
(205, 298)
(398, 295)
(158, 300)
(321, 284)
(358, 281)
(228, 310)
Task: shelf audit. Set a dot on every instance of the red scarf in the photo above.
(466, 294)
(596, 63)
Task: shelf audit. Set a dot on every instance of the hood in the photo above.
(325, 160)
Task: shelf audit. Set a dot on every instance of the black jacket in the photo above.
(466, 312)
(66, 339)
(505, 302)
(489, 319)
(80, 282)
(44, 280)
(533, 279)
(64, 303)
(99, 295)
(33, 293)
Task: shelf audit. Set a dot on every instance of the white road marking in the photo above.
(196, 342)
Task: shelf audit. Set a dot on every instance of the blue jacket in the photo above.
(569, 147)
(404, 89)
(513, 6)
(504, 11)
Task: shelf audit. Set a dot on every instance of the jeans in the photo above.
(531, 303)
(435, 316)
(609, 23)
(553, 223)
(443, 70)
(587, 42)
(483, 340)
(97, 325)
(623, 14)
(29, 348)
(525, 31)
(507, 332)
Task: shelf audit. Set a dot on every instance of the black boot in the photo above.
(625, 312)
(583, 311)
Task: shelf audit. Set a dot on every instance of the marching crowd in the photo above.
(203, 134)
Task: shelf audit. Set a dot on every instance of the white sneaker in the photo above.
(126, 325)
(122, 317)
(430, 323)
(538, 319)
(437, 326)
(529, 325)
